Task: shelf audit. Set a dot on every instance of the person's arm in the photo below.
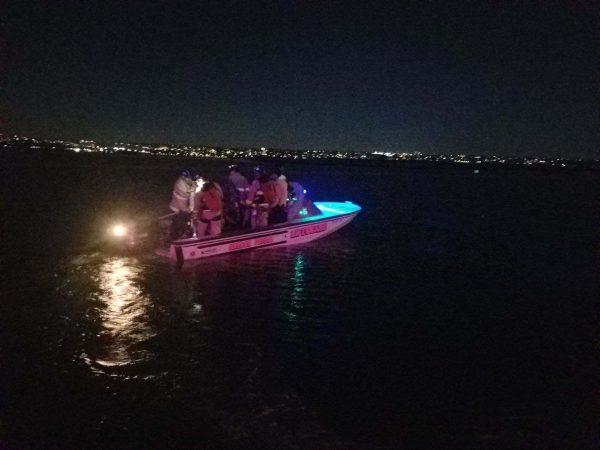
(197, 201)
(252, 190)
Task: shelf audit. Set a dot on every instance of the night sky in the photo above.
(510, 78)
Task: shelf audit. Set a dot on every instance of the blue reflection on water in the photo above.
(298, 279)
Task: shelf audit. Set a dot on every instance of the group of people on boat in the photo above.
(269, 199)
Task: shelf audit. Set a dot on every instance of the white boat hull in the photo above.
(334, 216)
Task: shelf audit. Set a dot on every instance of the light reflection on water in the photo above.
(123, 313)
(297, 289)
(214, 293)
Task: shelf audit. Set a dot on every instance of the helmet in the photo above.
(258, 171)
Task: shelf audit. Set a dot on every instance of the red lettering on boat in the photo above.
(311, 229)
(264, 240)
(240, 245)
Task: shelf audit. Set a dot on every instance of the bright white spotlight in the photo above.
(119, 230)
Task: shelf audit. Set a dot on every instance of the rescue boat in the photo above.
(332, 217)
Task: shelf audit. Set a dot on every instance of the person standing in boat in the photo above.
(295, 200)
(255, 184)
(242, 188)
(253, 194)
(183, 189)
(264, 201)
(299, 205)
(208, 210)
(278, 213)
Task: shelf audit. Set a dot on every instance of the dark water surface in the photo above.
(456, 311)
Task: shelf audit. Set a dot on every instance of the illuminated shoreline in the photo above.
(205, 152)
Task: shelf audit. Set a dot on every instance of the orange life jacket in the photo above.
(212, 200)
(270, 192)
